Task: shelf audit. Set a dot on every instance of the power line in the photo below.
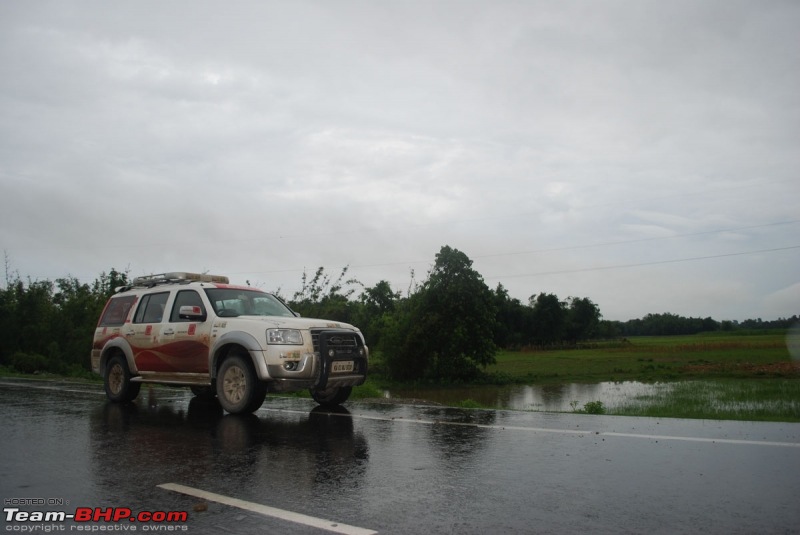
(638, 240)
(624, 266)
(555, 249)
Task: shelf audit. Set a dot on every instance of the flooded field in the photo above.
(746, 399)
(545, 398)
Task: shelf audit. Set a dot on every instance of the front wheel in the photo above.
(117, 381)
(238, 389)
(332, 396)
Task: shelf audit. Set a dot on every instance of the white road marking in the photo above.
(266, 510)
(587, 432)
(701, 439)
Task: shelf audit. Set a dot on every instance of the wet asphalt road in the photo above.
(388, 468)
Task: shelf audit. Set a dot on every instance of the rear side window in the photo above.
(185, 298)
(117, 310)
(151, 309)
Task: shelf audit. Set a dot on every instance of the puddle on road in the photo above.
(546, 398)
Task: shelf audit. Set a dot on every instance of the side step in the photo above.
(183, 379)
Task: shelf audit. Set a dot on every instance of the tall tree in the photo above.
(549, 318)
(376, 306)
(583, 319)
(512, 318)
(447, 331)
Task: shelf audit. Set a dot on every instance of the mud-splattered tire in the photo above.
(238, 388)
(117, 381)
(332, 396)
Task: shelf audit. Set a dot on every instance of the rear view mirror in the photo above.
(189, 312)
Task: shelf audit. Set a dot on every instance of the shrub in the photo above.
(29, 362)
(594, 407)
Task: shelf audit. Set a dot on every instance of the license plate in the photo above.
(342, 366)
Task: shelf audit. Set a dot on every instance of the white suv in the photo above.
(235, 342)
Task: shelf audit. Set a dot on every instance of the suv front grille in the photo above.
(340, 341)
(339, 346)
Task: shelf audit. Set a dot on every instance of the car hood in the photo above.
(282, 322)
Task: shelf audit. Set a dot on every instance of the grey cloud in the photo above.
(548, 141)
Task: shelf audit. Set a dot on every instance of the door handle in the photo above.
(168, 331)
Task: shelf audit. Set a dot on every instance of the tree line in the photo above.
(48, 326)
(448, 326)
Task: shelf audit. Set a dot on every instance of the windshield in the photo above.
(230, 302)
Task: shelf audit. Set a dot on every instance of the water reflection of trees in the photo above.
(138, 446)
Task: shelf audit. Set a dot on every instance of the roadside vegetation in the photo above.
(720, 399)
(653, 358)
(721, 375)
(450, 328)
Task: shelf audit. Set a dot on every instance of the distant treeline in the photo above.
(670, 324)
(448, 326)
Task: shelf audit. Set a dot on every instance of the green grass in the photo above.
(724, 399)
(661, 358)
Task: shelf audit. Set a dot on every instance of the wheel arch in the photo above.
(241, 343)
(117, 348)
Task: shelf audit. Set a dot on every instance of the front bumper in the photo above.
(316, 370)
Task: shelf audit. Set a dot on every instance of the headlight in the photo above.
(284, 337)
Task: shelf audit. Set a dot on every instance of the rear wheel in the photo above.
(238, 388)
(117, 381)
(332, 396)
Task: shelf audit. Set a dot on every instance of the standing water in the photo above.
(547, 398)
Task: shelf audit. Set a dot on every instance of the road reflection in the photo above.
(199, 444)
(462, 442)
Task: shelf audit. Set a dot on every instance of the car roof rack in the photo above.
(173, 277)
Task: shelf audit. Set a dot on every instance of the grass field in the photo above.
(713, 375)
(722, 399)
(660, 358)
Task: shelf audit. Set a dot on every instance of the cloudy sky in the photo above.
(643, 154)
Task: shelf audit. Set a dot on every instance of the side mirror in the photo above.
(189, 312)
